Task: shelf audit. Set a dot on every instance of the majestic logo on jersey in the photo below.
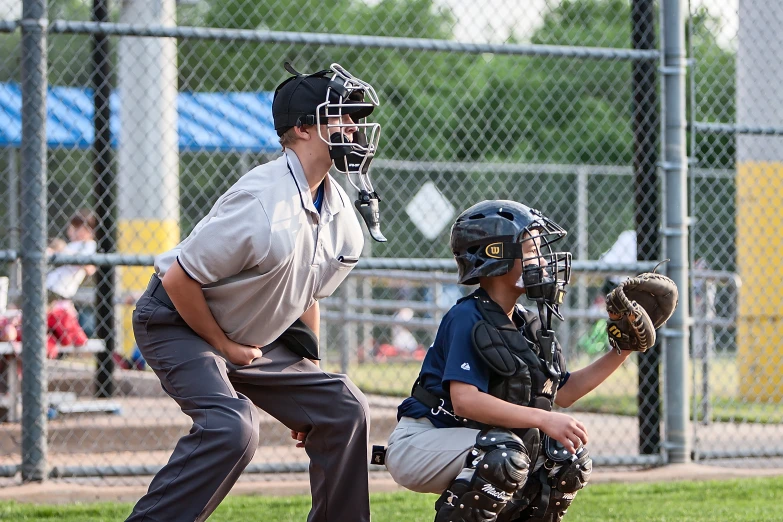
(465, 366)
(494, 250)
(547, 389)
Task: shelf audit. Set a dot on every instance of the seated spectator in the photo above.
(10, 326)
(403, 342)
(56, 245)
(62, 283)
(62, 327)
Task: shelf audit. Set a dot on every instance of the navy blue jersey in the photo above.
(452, 357)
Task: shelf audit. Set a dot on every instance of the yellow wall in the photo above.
(759, 260)
(140, 236)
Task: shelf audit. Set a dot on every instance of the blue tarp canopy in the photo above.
(213, 122)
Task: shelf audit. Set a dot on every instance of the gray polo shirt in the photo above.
(264, 254)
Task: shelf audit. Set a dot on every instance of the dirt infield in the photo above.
(150, 425)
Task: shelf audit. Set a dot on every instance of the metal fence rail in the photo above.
(417, 44)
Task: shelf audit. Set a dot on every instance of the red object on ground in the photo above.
(387, 351)
(62, 323)
(64, 328)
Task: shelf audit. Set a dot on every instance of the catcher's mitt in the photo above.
(637, 308)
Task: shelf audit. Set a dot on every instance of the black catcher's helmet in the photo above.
(487, 238)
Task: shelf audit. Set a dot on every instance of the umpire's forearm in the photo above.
(588, 378)
(188, 298)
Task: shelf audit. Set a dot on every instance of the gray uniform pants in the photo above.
(426, 459)
(220, 396)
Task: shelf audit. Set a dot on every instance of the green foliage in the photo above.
(10, 51)
(550, 110)
(714, 74)
(600, 23)
(234, 66)
(440, 106)
(69, 9)
(713, 77)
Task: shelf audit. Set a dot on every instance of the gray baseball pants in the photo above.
(220, 397)
(426, 459)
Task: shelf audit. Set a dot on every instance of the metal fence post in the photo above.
(366, 331)
(648, 209)
(365, 343)
(33, 239)
(13, 219)
(437, 296)
(676, 229)
(104, 192)
(348, 344)
(582, 249)
(704, 345)
(323, 339)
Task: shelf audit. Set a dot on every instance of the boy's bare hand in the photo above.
(566, 430)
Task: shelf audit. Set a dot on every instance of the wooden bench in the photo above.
(59, 402)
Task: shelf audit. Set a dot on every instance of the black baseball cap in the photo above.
(296, 100)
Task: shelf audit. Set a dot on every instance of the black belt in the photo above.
(424, 396)
(301, 340)
(155, 289)
(432, 401)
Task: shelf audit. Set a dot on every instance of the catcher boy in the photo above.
(479, 428)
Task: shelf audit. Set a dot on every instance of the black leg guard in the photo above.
(501, 460)
(550, 491)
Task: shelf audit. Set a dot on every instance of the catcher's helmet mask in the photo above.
(487, 238)
(331, 94)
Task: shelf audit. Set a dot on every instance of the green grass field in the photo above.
(396, 377)
(750, 500)
(616, 396)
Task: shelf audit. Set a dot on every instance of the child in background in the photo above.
(62, 283)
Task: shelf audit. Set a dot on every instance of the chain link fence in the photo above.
(155, 108)
(736, 120)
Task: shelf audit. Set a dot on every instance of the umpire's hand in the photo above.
(240, 354)
(299, 437)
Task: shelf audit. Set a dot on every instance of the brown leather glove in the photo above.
(638, 307)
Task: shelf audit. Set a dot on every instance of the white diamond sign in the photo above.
(430, 211)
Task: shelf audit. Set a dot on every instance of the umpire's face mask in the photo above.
(352, 140)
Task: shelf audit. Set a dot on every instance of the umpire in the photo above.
(230, 318)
